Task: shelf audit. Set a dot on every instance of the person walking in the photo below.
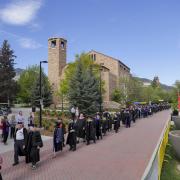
(116, 123)
(80, 124)
(77, 113)
(73, 113)
(71, 139)
(90, 130)
(58, 138)
(34, 144)
(6, 126)
(13, 126)
(20, 118)
(20, 142)
(31, 120)
(127, 118)
(98, 125)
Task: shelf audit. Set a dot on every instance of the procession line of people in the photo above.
(27, 142)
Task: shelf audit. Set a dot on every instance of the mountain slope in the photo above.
(148, 81)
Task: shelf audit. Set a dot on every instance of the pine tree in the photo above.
(76, 86)
(46, 92)
(8, 87)
(84, 90)
(155, 83)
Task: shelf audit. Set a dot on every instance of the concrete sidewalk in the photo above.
(121, 156)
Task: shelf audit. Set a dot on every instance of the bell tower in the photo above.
(56, 61)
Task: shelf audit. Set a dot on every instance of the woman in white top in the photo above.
(20, 118)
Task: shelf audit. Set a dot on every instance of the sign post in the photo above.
(178, 102)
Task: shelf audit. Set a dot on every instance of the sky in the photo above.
(143, 34)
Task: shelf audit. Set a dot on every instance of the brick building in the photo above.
(112, 69)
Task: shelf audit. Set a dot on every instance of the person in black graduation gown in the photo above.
(98, 125)
(90, 130)
(58, 137)
(116, 122)
(109, 122)
(127, 118)
(133, 113)
(72, 139)
(123, 116)
(107, 116)
(104, 125)
(33, 146)
(80, 124)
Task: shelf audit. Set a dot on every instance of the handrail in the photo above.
(148, 168)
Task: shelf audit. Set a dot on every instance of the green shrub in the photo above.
(52, 113)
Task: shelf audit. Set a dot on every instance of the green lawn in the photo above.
(169, 170)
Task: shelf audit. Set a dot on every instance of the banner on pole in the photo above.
(179, 102)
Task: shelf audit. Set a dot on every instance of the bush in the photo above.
(52, 113)
(175, 112)
(67, 114)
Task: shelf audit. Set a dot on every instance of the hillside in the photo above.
(164, 86)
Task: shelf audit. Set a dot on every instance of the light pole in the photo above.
(40, 93)
(100, 86)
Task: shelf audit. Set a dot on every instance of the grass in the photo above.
(169, 170)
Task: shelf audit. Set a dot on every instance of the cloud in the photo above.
(28, 43)
(35, 27)
(20, 12)
(24, 42)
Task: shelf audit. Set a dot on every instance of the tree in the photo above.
(46, 92)
(118, 96)
(63, 91)
(131, 89)
(26, 81)
(155, 83)
(134, 89)
(84, 88)
(8, 86)
(174, 94)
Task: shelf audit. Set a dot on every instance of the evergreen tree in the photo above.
(118, 95)
(46, 92)
(155, 83)
(76, 86)
(8, 87)
(84, 90)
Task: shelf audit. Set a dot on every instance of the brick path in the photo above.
(122, 156)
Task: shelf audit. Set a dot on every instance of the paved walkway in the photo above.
(121, 156)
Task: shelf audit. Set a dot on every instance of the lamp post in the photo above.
(100, 86)
(40, 93)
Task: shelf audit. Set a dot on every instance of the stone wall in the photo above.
(117, 70)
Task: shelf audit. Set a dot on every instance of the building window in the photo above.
(62, 45)
(53, 43)
(94, 57)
